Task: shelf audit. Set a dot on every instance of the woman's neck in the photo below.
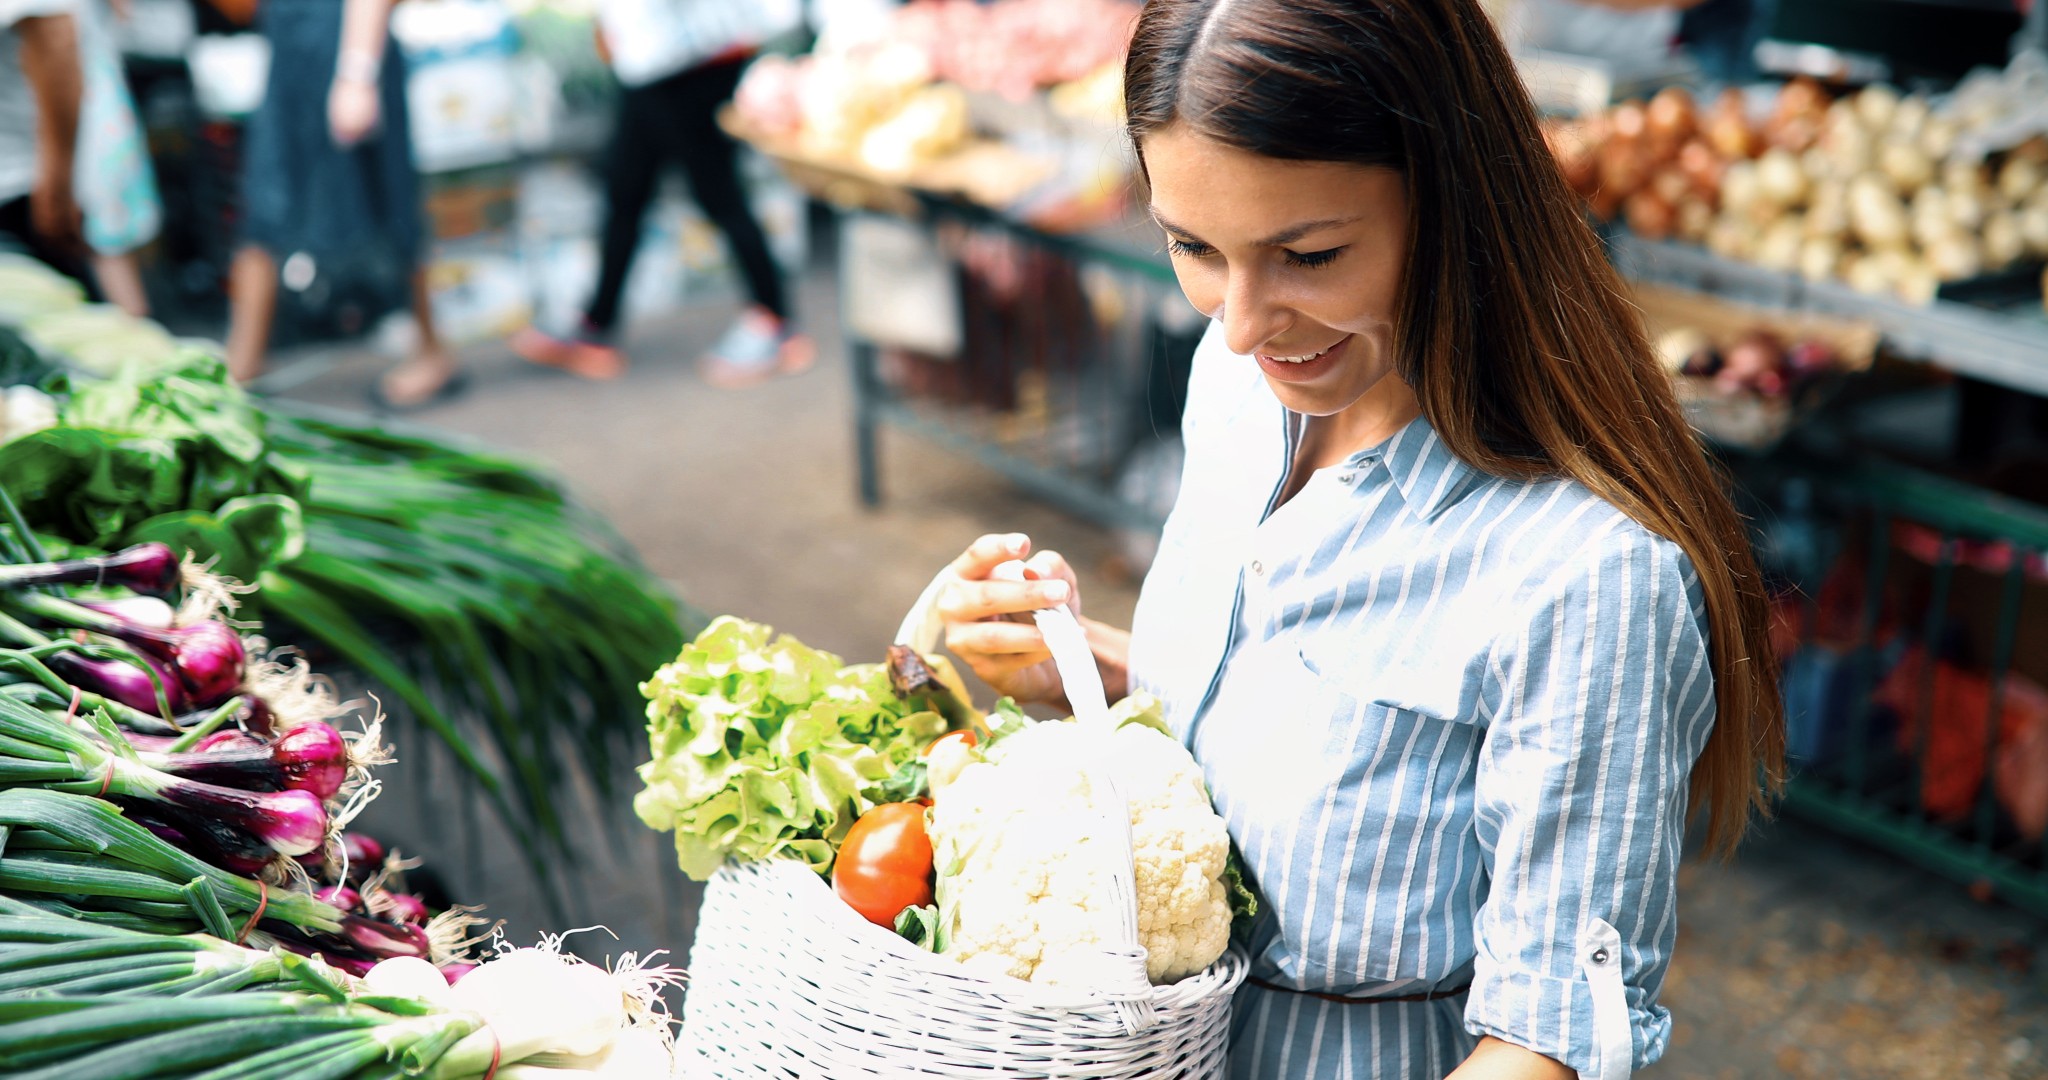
(1373, 419)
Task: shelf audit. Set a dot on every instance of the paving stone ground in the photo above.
(1809, 956)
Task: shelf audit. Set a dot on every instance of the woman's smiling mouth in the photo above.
(1302, 368)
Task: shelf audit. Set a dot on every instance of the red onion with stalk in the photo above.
(207, 656)
(341, 896)
(312, 757)
(146, 568)
(399, 907)
(123, 682)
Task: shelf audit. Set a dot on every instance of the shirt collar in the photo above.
(1425, 472)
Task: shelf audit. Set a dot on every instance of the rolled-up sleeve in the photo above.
(1599, 696)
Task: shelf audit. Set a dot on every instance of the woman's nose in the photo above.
(1249, 317)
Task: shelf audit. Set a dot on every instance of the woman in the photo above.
(328, 173)
(1452, 609)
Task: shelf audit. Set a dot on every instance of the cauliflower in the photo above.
(1024, 857)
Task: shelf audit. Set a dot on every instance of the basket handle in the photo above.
(1121, 978)
(921, 627)
(1070, 654)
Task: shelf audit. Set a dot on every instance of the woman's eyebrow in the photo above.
(1284, 236)
(1168, 225)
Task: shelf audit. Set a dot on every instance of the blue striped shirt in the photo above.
(1450, 719)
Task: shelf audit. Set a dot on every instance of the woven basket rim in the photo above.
(950, 976)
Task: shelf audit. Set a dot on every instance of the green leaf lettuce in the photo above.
(763, 747)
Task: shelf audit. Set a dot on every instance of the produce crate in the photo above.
(2008, 347)
(1749, 420)
(1918, 653)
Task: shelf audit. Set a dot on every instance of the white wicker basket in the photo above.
(787, 981)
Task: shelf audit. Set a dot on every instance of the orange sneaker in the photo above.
(577, 356)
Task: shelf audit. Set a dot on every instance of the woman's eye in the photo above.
(1188, 248)
(1313, 259)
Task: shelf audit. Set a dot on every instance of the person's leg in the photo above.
(120, 277)
(632, 171)
(711, 162)
(431, 367)
(761, 344)
(632, 174)
(252, 301)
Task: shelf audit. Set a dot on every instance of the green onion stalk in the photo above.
(79, 857)
(245, 1036)
(47, 954)
(37, 749)
(80, 1000)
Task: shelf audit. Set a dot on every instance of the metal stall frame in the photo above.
(1875, 790)
(1125, 358)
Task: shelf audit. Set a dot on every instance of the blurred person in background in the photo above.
(678, 62)
(328, 172)
(41, 86)
(115, 185)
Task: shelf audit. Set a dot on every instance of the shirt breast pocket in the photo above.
(1396, 845)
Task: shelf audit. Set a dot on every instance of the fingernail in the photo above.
(1056, 592)
(1016, 543)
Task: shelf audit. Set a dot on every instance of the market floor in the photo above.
(1807, 957)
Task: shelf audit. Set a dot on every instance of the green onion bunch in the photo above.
(84, 1001)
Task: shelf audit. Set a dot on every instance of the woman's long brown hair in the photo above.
(1515, 332)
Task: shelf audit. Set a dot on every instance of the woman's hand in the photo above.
(988, 622)
(352, 111)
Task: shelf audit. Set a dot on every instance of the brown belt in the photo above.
(1434, 995)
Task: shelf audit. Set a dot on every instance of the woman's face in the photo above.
(1300, 260)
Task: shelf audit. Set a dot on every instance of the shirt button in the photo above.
(1346, 476)
(1258, 568)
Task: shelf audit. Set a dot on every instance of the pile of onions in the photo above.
(1868, 189)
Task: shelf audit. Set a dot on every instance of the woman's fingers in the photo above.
(997, 639)
(968, 601)
(1001, 673)
(1051, 566)
(988, 552)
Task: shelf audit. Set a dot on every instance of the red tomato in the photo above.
(964, 735)
(885, 865)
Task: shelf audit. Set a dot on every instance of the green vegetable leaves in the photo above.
(243, 536)
(921, 927)
(910, 782)
(145, 442)
(764, 747)
(1244, 900)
